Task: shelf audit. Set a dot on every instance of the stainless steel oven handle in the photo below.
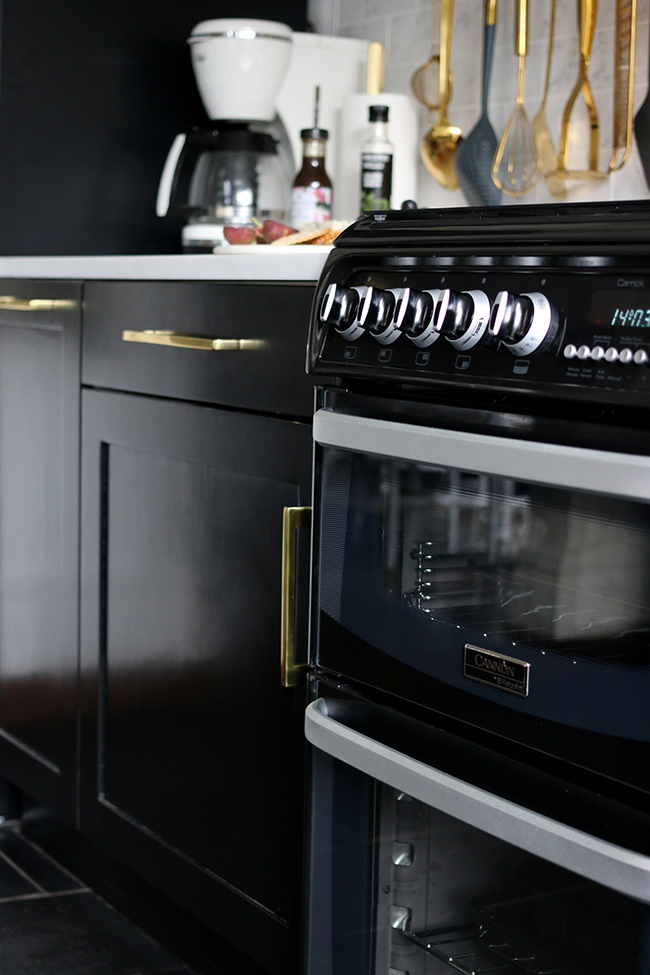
(613, 866)
(605, 472)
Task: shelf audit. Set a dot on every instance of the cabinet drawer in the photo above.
(262, 369)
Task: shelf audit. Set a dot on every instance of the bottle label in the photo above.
(376, 180)
(311, 204)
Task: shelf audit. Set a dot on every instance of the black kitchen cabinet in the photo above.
(39, 538)
(191, 748)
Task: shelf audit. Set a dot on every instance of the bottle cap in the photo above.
(314, 133)
(378, 113)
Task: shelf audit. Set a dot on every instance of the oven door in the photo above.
(416, 871)
(493, 577)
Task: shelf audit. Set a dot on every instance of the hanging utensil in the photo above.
(642, 134)
(515, 168)
(476, 152)
(587, 10)
(545, 149)
(425, 82)
(438, 147)
(623, 82)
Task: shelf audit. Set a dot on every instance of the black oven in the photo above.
(480, 679)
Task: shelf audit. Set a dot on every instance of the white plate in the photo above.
(271, 249)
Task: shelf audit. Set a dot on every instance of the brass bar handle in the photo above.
(490, 13)
(180, 341)
(293, 519)
(521, 29)
(34, 304)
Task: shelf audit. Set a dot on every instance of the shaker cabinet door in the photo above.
(190, 745)
(39, 498)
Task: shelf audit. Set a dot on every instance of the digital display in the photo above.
(620, 310)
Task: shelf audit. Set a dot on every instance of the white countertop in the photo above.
(261, 263)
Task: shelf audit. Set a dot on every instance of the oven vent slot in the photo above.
(482, 948)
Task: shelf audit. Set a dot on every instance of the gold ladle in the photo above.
(515, 168)
(438, 146)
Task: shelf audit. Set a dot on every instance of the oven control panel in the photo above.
(518, 327)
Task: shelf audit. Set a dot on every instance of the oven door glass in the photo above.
(413, 872)
(520, 606)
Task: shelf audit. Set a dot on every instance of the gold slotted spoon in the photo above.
(587, 10)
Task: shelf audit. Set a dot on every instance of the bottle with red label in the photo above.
(311, 196)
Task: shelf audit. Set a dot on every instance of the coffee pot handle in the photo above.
(168, 173)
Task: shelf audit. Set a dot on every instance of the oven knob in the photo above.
(626, 356)
(462, 317)
(376, 315)
(339, 308)
(526, 324)
(414, 316)
(640, 357)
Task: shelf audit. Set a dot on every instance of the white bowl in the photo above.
(239, 66)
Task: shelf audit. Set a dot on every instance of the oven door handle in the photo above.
(610, 865)
(581, 468)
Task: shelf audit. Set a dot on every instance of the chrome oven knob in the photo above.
(414, 316)
(462, 317)
(339, 308)
(376, 315)
(526, 324)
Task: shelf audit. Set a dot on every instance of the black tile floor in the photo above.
(50, 924)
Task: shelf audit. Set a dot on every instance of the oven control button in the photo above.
(414, 316)
(526, 324)
(339, 308)
(584, 352)
(377, 313)
(626, 356)
(570, 351)
(597, 353)
(611, 355)
(462, 317)
(640, 357)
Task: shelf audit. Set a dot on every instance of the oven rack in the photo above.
(479, 949)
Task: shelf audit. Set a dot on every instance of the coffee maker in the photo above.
(241, 166)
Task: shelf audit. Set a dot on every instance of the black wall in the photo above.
(92, 93)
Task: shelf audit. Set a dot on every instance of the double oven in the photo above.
(479, 688)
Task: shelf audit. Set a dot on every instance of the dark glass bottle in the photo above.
(311, 196)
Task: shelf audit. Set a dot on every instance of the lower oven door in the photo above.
(493, 577)
(415, 871)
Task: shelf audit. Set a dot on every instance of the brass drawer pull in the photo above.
(34, 304)
(290, 671)
(180, 341)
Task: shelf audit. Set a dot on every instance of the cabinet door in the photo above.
(191, 748)
(39, 492)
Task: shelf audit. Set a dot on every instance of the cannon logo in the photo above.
(495, 669)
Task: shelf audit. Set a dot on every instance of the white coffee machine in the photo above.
(256, 79)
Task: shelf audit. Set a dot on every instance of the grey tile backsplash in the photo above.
(405, 27)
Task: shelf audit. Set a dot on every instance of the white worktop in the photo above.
(258, 263)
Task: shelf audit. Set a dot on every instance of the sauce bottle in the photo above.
(377, 162)
(311, 196)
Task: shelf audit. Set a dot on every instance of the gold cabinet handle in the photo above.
(34, 304)
(294, 518)
(180, 341)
